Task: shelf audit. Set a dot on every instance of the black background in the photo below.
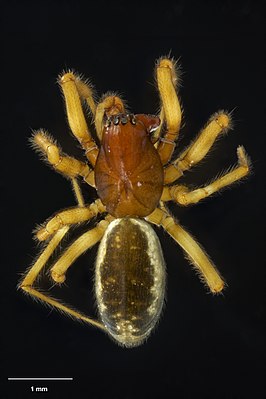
(204, 346)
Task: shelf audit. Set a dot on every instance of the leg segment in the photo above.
(73, 89)
(218, 124)
(78, 193)
(195, 253)
(68, 166)
(79, 246)
(85, 92)
(171, 109)
(183, 196)
(27, 283)
(68, 217)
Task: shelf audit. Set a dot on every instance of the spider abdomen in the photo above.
(130, 280)
(128, 171)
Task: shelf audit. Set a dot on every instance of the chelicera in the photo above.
(134, 175)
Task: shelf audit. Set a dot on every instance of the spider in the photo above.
(133, 174)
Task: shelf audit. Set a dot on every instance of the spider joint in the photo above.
(67, 77)
(57, 277)
(90, 148)
(179, 193)
(167, 141)
(222, 120)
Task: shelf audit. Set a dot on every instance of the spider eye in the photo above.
(124, 119)
(119, 118)
(116, 120)
(107, 122)
(132, 119)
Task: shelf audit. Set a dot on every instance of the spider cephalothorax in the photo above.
(129, 171)
(134, 175)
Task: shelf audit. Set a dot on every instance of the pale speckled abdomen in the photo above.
(130, 280)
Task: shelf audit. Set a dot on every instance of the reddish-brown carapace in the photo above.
(129, 171)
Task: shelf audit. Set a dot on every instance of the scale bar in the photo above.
(40, 378)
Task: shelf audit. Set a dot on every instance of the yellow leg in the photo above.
(171, 109)
(78, 193)
(195, 253)
(86, 92)
(79, 246)
(27, 284)
(184, 196)
(68, 166)
(217, 125)
(68, 217)
(109, 105)
(75, 115)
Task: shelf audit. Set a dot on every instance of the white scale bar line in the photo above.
(40, 379)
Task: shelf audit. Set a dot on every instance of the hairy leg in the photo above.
(218, 124)
(73, 89)
(199, 259)
(68, 166)
(183, 196)
(171, 110)
(78, 247)
(69, 217)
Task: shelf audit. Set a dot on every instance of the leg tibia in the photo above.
(68, 166)
(68, 217)
(198, 257)
(78, 193)
(218, 124)
(43, 258)
(83, 87)
(195, 253)
(76, 117)
(79, 246)
(184, 196)
(167, 80)
(61, 307)
(86, 93)
(27, 283)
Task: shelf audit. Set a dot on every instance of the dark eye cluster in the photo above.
(120, 118)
